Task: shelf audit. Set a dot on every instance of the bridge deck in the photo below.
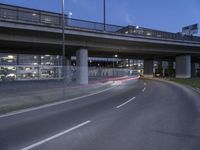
(39, 17)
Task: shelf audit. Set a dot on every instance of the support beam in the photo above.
(148, 68)
(183, 66)
(82, 66)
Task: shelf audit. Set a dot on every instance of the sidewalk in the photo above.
(17, 96)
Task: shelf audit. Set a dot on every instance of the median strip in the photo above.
(56, 136)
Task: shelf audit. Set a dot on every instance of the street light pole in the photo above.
(104, 15)
(113, 62)
(114, 56)
(63, 37)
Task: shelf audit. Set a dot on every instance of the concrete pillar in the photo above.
(194, 69)
(82, 66)
(183, 66)
(148, 68)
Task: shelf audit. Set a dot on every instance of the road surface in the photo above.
(135, 115)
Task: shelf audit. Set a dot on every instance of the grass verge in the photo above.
(193, 82)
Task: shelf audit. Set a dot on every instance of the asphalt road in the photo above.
(136, 115)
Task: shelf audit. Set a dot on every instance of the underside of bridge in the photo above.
(185, 62)
(81, 43)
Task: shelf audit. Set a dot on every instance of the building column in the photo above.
(148, 68)
(82, 66)
(183, 66)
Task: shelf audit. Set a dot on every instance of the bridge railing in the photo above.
(33, 16)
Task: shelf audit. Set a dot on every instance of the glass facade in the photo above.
(29, 67)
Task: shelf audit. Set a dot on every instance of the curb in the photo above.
(197, 90)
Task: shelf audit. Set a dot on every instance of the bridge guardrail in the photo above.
(33, 16)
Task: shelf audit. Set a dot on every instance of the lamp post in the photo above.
(104, 15)
(114, 56)
(63, 37)
(69, 16)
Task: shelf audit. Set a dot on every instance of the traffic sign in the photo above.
(190, 30)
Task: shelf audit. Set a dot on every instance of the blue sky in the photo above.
(168, 15)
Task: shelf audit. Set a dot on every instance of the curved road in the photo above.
(135, 115)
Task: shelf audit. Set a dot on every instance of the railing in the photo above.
(33, 16)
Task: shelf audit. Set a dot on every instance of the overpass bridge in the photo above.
(30, 31)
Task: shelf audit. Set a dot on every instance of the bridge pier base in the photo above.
(183, 66)
(148, 68)
(82, 66)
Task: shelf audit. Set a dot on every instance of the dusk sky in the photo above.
(168, 15)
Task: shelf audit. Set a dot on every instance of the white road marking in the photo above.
(143, 89)
(117, 83)
(55, 136)
(145, 83)
(126, 102)
(56, 103)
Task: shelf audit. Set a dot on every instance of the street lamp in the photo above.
(114, 56)
(90, 63)
(69, 16)
(63, 37)
(104, 15)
